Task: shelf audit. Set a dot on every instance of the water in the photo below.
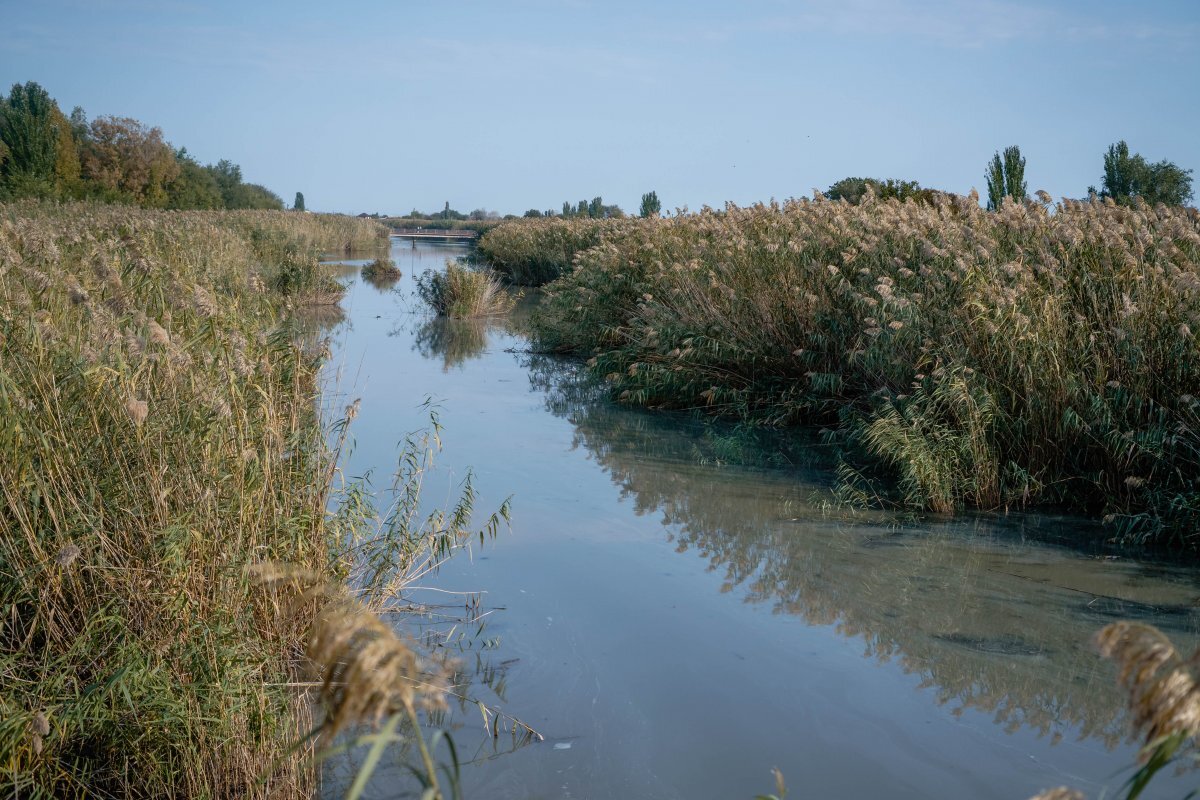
(678, 611)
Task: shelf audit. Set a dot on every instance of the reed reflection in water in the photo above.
(984, 610)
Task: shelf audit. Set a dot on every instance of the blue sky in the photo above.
(383, 106)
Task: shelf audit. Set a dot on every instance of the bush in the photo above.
(382, 272)
(463, 293)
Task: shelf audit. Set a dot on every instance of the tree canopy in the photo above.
(43, 153)
(650, 205)
(1006, 177)
(1128, 176)
(853, 190)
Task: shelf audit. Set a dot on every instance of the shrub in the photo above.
(382, 272)
(463, 293)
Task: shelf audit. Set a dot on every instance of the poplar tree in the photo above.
(650, 205)
(1006, 177)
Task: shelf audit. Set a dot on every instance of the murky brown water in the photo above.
(681, 610)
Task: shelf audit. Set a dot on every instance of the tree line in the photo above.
(1127, 178)
(45, 154)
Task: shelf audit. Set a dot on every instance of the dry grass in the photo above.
(966, 358)
(1164, 702)
(532, 252)
(157, 435)
(462, 293)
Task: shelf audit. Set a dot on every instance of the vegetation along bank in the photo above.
(169, 575)
(962, 358)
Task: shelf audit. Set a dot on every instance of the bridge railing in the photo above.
(449, 234)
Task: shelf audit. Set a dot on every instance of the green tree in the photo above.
(446, 211)
(650, 205)
(30, 133)
(533, 213)
(194, 187)
(128, 162)
(567, 211)
(853, 190)
(582, 209)
(252, 195)
(298, 205)
(228, 176)
(1006, 177)
(1128, 176)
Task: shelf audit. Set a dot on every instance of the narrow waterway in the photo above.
(679, 610)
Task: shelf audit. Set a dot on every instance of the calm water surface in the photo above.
(678, 613)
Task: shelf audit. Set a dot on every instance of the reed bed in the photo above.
(463, 293)
(1036, 354)
(533, 252)
(158, 440)
(381, 273)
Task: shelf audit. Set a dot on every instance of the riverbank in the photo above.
(158, 437)
(960, 358)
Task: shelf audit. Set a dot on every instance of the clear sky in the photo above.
(383, 106)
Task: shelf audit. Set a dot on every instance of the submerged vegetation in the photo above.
(962, 358)
(164, 486)
(462, 293)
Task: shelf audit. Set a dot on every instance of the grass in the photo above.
(462, 293)
(164, 480)
(534, 252)
(1164, 703)
(381, 273)
(962, 358)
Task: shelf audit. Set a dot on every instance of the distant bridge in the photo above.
(431, 233)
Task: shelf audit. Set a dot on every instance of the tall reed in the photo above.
(967, 358)
(532, 252)
(462, 293)
(158, 439)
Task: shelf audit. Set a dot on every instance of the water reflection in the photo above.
(985, 611)
(454, 341)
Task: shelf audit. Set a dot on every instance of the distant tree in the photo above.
(79, 125)
(1128, 176)
(533, 213)
(1006, 177)
(129, 162)
(30, 132)
(194, 187)
(853, 190)
(446, 211)
(596, 208)
(849, 189)
(650, 205)
(298, 204)
(581, 210)
(228, 176)
(252, 195)
(567, 211)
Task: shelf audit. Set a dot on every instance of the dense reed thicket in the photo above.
(1036, 354)
(159, 438)
(532, 252)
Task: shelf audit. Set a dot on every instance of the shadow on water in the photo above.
(691, 673)
(988, 612)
